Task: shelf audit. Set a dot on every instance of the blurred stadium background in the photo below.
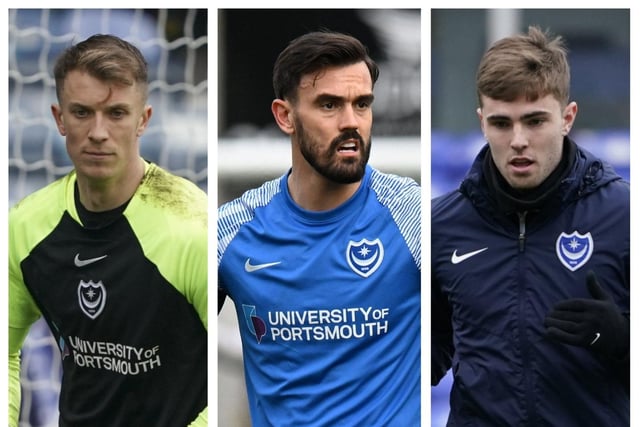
(252, 149)
(175, 45)
(599, 57)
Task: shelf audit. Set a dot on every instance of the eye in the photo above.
(363, 105)
(501, 124)
(118, 113)
(536, 121)
(80, 113)
(329, 105)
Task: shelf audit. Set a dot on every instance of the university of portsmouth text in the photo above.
(335, 324)
(119, 358)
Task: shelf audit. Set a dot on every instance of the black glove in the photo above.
(596, 323)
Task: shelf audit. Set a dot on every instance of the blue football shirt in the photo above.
(328, 303)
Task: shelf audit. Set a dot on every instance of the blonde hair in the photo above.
(105, 57)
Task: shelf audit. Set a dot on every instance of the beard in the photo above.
(327, 162)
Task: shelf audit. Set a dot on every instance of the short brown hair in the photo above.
(312, 52)
(532, 65)
(105, 57)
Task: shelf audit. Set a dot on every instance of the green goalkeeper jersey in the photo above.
(126, 301)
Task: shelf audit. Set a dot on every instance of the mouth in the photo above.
(97, 154)
(348, 147)
(521, 164)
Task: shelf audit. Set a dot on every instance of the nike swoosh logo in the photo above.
(457, 259)
(250, 268)
(83, 262)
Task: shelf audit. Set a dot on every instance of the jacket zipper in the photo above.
(524, 339)
(521, 232)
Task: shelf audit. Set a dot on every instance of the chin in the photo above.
(524, 186)
(94, 173)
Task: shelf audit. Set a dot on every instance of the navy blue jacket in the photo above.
(495, 276)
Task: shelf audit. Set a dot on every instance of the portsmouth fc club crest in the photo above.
(364, 257)
(92, 297)
(574, 250)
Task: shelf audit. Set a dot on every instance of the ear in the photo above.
(283, 114)
(480, 116)
(56, 110)
(568, 117)
(143, 122)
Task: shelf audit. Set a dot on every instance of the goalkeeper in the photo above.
(113, 256)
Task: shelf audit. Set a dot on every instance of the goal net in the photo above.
(174, 42)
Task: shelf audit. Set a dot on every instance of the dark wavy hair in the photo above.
(313, 52)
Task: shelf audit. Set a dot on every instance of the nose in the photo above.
(348, 118)
(520, 139)
(98, 129)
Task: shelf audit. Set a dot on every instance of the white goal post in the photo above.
(174, 43)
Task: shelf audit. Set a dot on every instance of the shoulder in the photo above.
(448, 202)
(607, 200)
(243, 208)
(169, 194)
(234, 214)
(401, 196)
(595, 174)
(169, 205)
(51, 195)
(44, 205)
(392, 189)
(35, 216)
(452, 212)
(164, 187)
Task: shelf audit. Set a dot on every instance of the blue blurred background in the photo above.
(599, 46)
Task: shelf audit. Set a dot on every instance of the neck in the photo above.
(98, 195)
(510, 199)
(314, 192)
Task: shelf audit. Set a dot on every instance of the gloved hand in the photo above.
(595, 323)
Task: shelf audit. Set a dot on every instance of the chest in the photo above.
(496, 274)
(360, 258)
(85, 279)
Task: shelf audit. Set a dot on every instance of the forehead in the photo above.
(80, 87)
(336, 80)
(520, 106)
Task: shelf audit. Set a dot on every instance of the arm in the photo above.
(22, 314)
(16, 338)
(441, 334)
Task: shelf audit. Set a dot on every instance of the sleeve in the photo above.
(441, 334)
(198, 290)
(174, 236)
(16, 338)
(622, 365)
(14, 388)
(23, 312)
(201, 421)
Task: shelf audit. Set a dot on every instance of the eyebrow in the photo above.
(120, 106)
(324, 97)
(527, 116)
